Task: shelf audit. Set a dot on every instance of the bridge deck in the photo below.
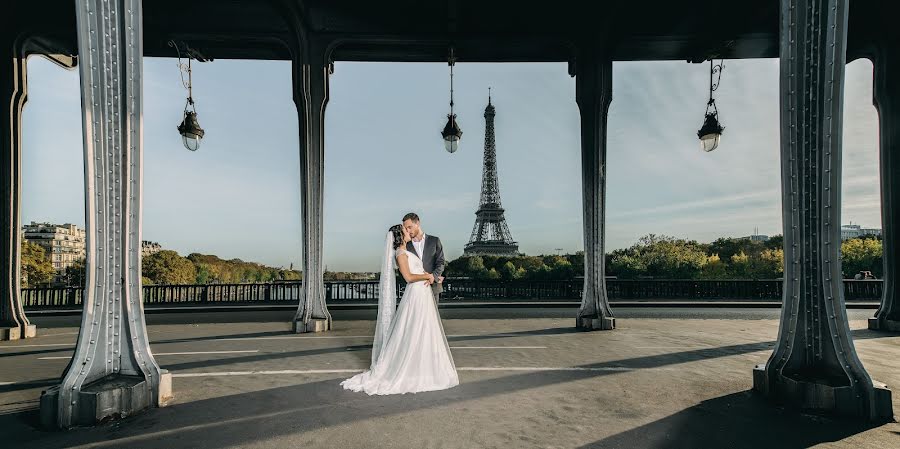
(675, 381)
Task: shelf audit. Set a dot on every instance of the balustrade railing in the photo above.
(458, 289)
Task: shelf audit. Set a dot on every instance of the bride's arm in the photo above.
(404, 270)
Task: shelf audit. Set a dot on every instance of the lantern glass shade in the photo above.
(709, 142)
(191, 142)
(190, 131)
(451, 144)
(710, 133)
(451, 134)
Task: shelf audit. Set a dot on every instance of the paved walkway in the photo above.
(528, 382)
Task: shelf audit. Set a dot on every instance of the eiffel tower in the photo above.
(490, 236)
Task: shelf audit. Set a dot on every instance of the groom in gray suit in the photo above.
(429, 249)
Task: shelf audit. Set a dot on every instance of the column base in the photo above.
(824, 398)
(113, 397)
(314, 325)
(884, 325)
(595, 324)
(8, 333)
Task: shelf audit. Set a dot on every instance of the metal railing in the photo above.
(454, 290)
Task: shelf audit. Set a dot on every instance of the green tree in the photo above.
(529, 263)
(740, 266)
(510, 272)
(75, 273)
(36, 268)
(775, 242)
(203, 274)
(168, 268)
(714, 268)
(475, 264)
(861, 255)
(562, 269)
(660, 256)
(626, 264)
(769, 264)
(726, 247)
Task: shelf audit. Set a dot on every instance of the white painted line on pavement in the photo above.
(498, 347)
(298, 337)
(315, 337)
(290, 337)
(545, 368)
(674, 347)
(267, 373)
(168, 353)
(463, 368)
(37, 346)
(53, 335)
(206, 352)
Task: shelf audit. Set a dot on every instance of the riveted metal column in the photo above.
(814, 364)
(593, 93)
(112, 373)
(13, 94)
(887, 100)
(311, 71)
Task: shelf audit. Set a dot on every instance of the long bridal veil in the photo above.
(387, 298)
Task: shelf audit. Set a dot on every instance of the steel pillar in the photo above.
(814, 364)
(593, 93)
(886, 98)
(311, 70)
(113, 373)
(13, 94)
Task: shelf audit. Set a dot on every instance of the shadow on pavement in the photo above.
(739, 420)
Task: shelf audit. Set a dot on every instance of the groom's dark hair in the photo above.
(411, 216)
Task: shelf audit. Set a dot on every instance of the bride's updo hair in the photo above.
(397, 231)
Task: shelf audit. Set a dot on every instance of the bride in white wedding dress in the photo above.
(410, 352)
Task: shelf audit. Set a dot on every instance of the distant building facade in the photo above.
(756, 238)
(149, 248)
(852, 231)
(64, 244)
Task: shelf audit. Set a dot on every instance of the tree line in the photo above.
(165, 267)
(667, 257)
(653, 256)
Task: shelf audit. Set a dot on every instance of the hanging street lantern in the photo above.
(190, 130)
(451, 133)
(711, 132)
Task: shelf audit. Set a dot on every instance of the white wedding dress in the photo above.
(415, 356)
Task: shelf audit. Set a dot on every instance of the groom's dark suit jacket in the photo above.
(432, 260)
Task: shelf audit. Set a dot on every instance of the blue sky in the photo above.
(238, 197)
